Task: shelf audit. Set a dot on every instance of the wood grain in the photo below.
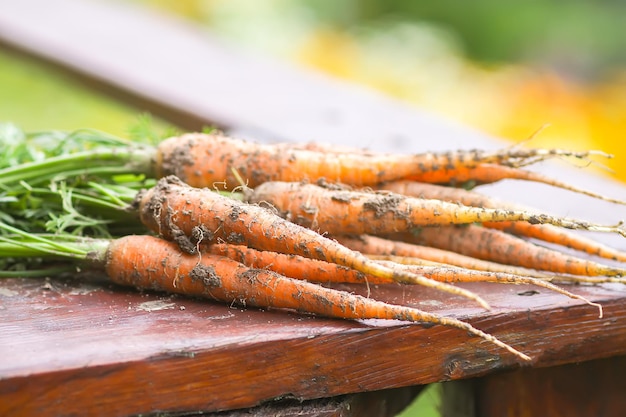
(592, 388)
(71, 344)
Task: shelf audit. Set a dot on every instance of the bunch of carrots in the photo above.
(264, 225)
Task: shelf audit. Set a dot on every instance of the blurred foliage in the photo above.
(507, 68)
(583, 36)
(37, 98)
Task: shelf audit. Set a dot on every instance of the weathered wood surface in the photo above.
(71, 347)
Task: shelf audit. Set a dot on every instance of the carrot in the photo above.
(191, 216)
(202, 160)
(208, 160)
(559, 237)
(382, 248)
(546, 233)
(440, 192)
(154, 264)
(313, 270)
(340, 211)
(489, 173)
(294, 266)
(147, 262)
(497, 246)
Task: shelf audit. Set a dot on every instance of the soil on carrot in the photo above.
(382, 205)
(206, 274)
(181, 156)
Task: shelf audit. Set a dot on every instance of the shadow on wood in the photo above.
(593, 388)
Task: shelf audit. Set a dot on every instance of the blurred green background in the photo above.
(506, 67)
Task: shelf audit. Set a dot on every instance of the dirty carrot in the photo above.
(547, 233)
(200, 160)
(192, 216)
(489, 173)
(321, 271)
(560, 237)
(313, 270)
(151, 263)
(496, 246)
(211, 160)
(381, 248)
(344, 211)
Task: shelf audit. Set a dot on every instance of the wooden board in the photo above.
(68, 346)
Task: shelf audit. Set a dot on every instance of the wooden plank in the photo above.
(593, 388)
(70, 346)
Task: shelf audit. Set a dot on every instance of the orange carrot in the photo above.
(489, 173)
(440, 192)
(294, 266)
(151, 263)
(546, 233)
(497, 246)
(320, 271)
(203, 160)
(313, 270)
(191, 216)
(377, 246)
(559, 237)
(355, 212)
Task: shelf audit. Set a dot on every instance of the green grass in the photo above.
(427, 403)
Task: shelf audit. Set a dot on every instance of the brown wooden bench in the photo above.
(86, 347)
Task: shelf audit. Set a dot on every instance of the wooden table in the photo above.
(86, 347)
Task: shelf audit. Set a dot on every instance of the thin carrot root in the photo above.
(160, 265)
(451, 274)
(313, 270)
(294, 266)
(356, 212)
(410, 253)
(496, 246)
(520, 157)
(192, 216)
(546, 233)
(490, 173)
(490, 266)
